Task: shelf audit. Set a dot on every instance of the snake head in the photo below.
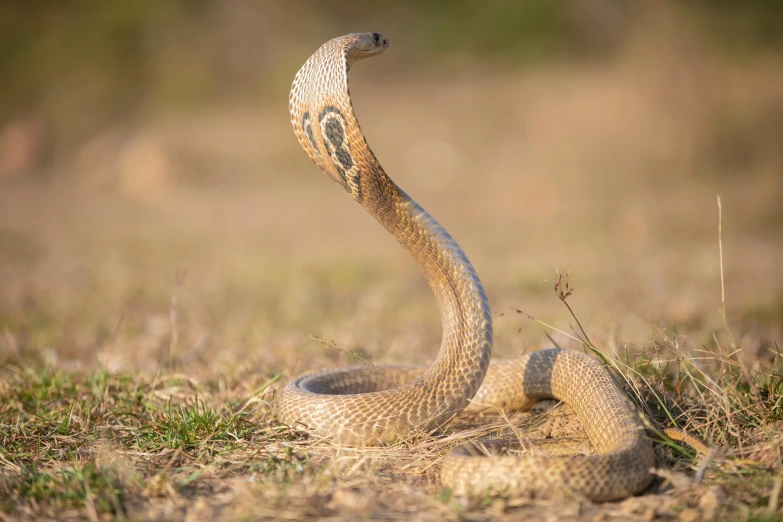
(364, 45)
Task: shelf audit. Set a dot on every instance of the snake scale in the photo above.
(377, 405)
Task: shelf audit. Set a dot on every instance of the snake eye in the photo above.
(380, 40)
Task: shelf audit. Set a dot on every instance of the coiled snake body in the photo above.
(379, 405)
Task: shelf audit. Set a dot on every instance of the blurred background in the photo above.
(146, 153)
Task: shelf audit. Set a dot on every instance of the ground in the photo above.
(159, 289)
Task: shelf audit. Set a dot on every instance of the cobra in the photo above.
(377, 405)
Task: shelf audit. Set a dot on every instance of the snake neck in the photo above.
(464, 310)
(326, 127)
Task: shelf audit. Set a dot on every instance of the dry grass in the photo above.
(154, 302)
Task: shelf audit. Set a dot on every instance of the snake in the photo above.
(385, 404)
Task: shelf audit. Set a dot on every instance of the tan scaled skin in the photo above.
(382, 404)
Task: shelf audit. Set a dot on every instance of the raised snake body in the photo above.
(382, 404)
